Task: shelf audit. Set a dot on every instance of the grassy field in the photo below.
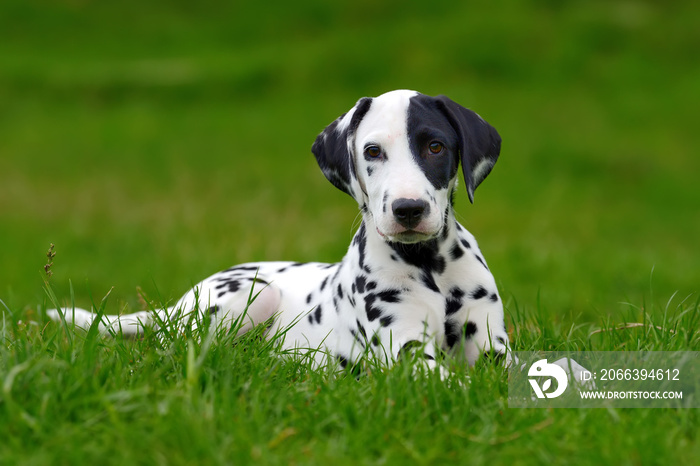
(156, 143)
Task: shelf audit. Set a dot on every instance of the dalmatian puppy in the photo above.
(413, 278)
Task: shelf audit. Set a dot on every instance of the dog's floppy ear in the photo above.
(334, 150)
(479, 143)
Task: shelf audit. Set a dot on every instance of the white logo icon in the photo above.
(542, 368)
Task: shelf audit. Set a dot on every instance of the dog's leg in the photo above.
(485, 333)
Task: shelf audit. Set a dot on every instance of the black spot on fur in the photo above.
(340, 291)
(317, 314)
(342, 360)
(213, 310)
(360, 282)
(479, 293)
(243, 268)
(481, 261)
(465, 243)
(232, 285)
(361, 329)
(371, 310)
(375, 340)
(456, 252)
(309, 298)
(357, 338)
(445, 224)
(361, 238)
(451, 333)
(453, 303)
(371, 286)
(409, 347)
(422, 255)
(469, 329)
(390, 296)
(323, 283)
(429, 281)
(501, 340)
(493, 297)
(386, 320)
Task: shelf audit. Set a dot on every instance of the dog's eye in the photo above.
(435, 147)
(373, 152)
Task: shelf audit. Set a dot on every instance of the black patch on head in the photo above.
(369, 170)
(332, 152)
(478, 142)
(469, 330)
(427, 123)
(479, 292)
(493, 297)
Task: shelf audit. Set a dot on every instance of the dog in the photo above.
(413, 279)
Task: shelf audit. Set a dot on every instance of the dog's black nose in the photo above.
(409, 212)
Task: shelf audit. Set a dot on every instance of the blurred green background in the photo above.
(158, 142)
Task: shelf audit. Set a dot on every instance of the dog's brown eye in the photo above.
(373, 151)
(435, 147)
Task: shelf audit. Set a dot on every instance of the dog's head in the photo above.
(398, 155)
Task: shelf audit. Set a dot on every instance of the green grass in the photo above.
(156, 143)
(75, 397)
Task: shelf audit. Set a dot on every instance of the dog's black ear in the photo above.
(479, 143)
(334, 151)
